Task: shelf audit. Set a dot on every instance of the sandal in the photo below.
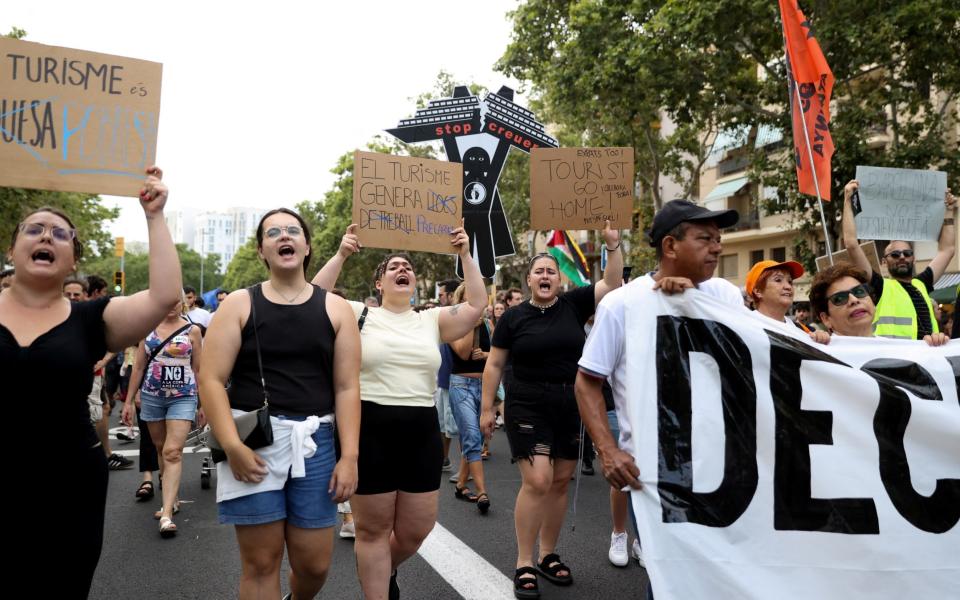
(550, 568)
(485, 455)
(464, 493)
(168, 528)
(525, 587)
(176, 509)
(483, 503)
(145, 491)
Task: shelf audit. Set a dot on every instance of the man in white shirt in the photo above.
(194, 313)
(686, 238)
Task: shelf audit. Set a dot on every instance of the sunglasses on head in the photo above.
(841, 298)
(896, 254)
(292, 230)
(61, 234)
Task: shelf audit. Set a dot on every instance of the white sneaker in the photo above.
(636, 553)
(348, 530)
(618, 549)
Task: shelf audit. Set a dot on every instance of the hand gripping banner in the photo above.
(774, 467)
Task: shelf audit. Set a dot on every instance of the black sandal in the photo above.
(550, 566)
(483, 503)
(145, 491)
(464, 493)
(525, 587)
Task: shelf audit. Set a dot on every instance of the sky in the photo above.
(259, 99)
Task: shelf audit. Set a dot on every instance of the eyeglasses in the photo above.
(292, 230)
(896, 254)
(35, 230)
(841, 298)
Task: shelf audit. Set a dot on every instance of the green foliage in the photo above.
(246, 268)
(136, 269)
(605, 70)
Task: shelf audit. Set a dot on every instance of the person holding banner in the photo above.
(400, 449)
(293, 348)
(544, 338)
(904, 309)
(842, 297)
(48, 348)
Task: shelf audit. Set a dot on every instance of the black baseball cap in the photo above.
(678, 211)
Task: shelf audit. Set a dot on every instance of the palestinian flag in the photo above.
(572, 262)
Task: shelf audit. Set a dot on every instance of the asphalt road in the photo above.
(202, 561)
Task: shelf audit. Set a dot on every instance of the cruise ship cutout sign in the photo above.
(479, 134)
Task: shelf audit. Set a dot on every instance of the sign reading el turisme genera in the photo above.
(76, 121)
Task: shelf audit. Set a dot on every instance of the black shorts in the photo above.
(542, 419)
(400, 449)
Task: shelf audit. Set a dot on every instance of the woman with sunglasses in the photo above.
(544, 339)
(401, 453)
(296, 347)
(48, 348)
(841, 296)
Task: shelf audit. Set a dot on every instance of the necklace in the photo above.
(543, 307)
(289, 300)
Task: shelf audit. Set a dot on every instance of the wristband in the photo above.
(617, 247)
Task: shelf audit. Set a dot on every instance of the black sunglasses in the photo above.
(896, 254)
(841, 298)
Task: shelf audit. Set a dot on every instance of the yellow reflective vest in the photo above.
(896, 316)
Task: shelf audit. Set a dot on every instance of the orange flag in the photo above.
(811, 84)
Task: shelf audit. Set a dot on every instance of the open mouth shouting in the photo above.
(286, 250)
(403, 279)
(43, 256)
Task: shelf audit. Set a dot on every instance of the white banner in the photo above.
(775, 468)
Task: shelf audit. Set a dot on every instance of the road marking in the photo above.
(466, 571)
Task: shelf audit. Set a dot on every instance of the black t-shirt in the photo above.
(546, 345)
(55, 375)
(481, 341)
(924, 318)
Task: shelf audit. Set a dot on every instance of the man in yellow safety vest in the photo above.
(904, 307)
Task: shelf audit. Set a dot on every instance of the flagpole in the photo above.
(816, 180)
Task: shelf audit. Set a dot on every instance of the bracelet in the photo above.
(617, 247)
(948, 221)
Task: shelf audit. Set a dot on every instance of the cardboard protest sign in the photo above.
(900, 204)
(869, 248)
(406, 203)
(479, 134)
(581, 188)
(76, 121)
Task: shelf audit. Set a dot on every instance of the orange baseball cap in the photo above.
(795, 268)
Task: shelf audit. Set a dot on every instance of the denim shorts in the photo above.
(158, 408)
(303, 502)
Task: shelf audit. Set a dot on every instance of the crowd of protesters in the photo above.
(364, 399)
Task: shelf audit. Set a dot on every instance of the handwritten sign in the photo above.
(869, 248)
(580, 188)
(76, 121)
(406, 203)
(900, 204)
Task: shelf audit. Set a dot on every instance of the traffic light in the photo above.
(118, 281)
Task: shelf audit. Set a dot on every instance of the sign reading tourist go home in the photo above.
(479, 134)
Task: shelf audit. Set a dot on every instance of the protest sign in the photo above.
(581, 188)
(76, 121)
(869, 248)
(900, 204)
(406, 203)
(774, 467)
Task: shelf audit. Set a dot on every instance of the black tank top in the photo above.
(472, 366)
(296, 344)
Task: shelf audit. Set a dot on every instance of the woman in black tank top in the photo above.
(309, 346)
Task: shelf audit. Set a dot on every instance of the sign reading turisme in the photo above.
(76, 121)
(406, 203)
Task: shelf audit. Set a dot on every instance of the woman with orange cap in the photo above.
(770, 289)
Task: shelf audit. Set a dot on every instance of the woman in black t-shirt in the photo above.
(48, 349)
(544, 339)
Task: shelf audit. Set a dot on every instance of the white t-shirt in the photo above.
(399, 356)
(603, 353)
(200, 317)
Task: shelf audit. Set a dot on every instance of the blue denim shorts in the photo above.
(303, 502)
(158, 408)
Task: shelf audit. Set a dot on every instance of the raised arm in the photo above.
(129, 319)
(456, 321)
(613, 276)
(850, 241)
(492, 373)
(948, 238)
(327, 276)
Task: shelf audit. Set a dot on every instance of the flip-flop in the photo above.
(168, 528)
(145, 491)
